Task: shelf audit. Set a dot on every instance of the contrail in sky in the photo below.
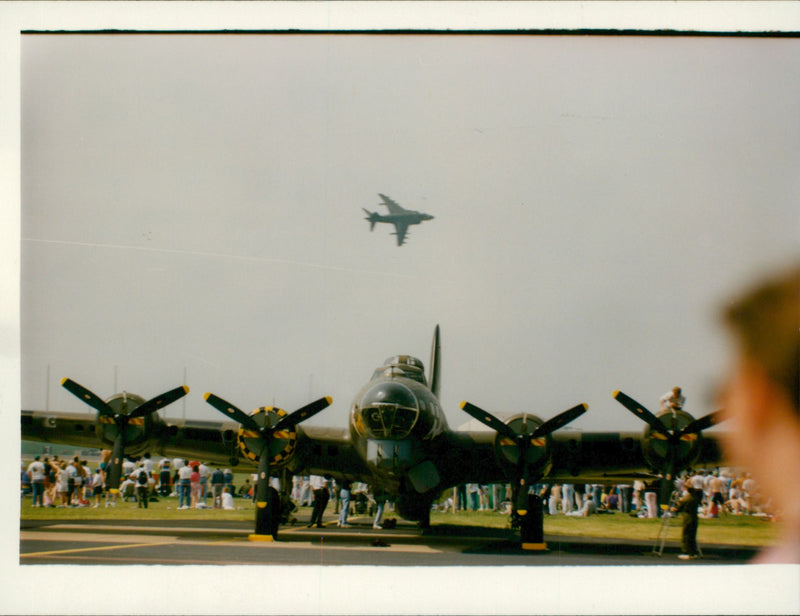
(218, 255)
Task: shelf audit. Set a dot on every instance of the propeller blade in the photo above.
(489, 420)
(309, 410)
(159, 402)
(231, 411)
(561, 420)
(262, 479)
(87, 396)
(668, 480)
(117, 455)
(698, 425)
(641, 412)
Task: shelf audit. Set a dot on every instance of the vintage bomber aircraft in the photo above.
(400, 217)
(397, 441)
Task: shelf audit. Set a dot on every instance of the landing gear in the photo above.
(531, 525)
(425, 520)
(268, 517)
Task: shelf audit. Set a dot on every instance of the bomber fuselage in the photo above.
(394, 420)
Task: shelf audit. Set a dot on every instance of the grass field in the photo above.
(730, 530)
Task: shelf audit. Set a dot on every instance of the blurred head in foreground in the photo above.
(762, 400)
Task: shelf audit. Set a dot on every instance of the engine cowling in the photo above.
(138, 431)
(538, 458)
(656, 446)
(282, 444)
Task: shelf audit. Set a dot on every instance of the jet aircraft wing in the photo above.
(401, 228)
(394, 207)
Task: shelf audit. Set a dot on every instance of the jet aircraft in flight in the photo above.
(397, 441)
(400, 217)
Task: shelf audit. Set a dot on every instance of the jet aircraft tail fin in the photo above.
(372, 217)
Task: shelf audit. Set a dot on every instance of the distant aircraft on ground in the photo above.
(397, 441)
(400, 217)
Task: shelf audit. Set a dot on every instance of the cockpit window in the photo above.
(389, 420)
(402, 366)
(388, 410)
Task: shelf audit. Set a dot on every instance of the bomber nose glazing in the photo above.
(389, 410)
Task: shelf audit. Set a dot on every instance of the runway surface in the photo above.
(157, 542)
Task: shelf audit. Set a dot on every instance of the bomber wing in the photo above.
(317, 450)
(392, 205)
(212, 441)
(574, 457)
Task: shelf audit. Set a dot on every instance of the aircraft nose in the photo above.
(389, 410)
(389, 393)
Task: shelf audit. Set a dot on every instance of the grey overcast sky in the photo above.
(192, 204)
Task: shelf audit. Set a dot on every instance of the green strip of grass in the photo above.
(730, 530)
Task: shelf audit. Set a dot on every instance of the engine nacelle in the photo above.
(538, 458)
(282, 445)
(138, 431)
(655, 446)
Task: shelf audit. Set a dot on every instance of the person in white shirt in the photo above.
(672, 400)
(62, 483)
(128, 467)
(36, 473)
(149, 464)
(185, 485)
(205, 472)
(227, 499)
(73, 480)
(127, 487)
(97, 486)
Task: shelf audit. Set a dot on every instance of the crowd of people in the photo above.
(62, 483)
(720, 491)
(53, 482)
(348, 498)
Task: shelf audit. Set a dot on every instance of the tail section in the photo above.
(372, 217)
(436, 364)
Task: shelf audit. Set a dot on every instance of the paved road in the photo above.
(220, 542)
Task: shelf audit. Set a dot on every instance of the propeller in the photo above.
(523, 441)
(121, 419)
(698, 425)
(266, 433)
(673, 435)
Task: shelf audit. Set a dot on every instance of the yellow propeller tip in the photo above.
(185, 389)
(206, 395)
(329, 399)
(463, 404)
(64, 380)
(615, 393)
